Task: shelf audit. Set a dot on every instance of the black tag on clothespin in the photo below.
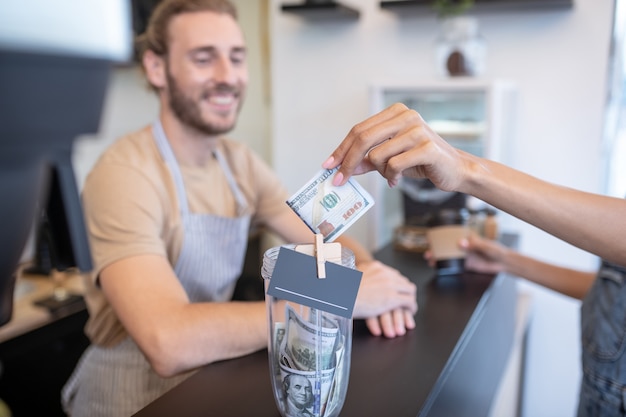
(312, 275)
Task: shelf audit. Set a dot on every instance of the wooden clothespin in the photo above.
(323, 252)
(319, 255)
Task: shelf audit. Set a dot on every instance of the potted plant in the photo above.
(460, 48)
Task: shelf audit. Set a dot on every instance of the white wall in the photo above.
(321, 73)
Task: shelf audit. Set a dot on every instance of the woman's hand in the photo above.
(397, 142)
(481, 254)
(484, 255)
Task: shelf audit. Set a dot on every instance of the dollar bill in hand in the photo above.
(328, 209)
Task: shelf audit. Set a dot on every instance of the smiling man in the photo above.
(169, 208)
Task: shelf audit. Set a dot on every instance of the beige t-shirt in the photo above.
(131, 208)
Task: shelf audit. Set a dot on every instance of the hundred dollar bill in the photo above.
(328, 209)
(308, 345)
(319, 383)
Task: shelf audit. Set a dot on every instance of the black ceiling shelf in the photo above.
(322, 10)
(425, 6)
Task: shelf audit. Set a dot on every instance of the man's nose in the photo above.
(225, 71)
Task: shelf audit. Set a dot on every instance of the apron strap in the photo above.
(170, 161)
(242, 204)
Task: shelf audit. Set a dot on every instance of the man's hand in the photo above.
(386, 299)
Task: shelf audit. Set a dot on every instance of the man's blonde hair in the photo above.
(155, 38)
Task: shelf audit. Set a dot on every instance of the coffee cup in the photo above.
(447, 229)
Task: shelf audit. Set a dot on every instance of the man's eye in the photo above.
(202, 58)
(238, 59)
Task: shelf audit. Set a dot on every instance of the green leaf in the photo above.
(450, 8)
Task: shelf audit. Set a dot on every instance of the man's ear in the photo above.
(154, 66)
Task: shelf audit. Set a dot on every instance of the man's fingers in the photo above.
(374, 326)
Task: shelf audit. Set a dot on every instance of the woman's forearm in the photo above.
(591, 222)
(570, 282)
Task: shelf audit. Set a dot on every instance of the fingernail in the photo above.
(338, 179)
(329, 162)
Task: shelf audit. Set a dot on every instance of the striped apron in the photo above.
(118, 381)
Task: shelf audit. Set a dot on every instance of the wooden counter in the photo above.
(26, 315)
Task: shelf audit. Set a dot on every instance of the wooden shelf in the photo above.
(330, 10)
(425, 6)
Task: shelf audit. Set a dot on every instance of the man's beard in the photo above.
(188, 111)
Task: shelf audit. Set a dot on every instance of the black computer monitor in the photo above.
(60, 235)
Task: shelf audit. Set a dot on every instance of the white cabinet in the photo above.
(472, 114)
